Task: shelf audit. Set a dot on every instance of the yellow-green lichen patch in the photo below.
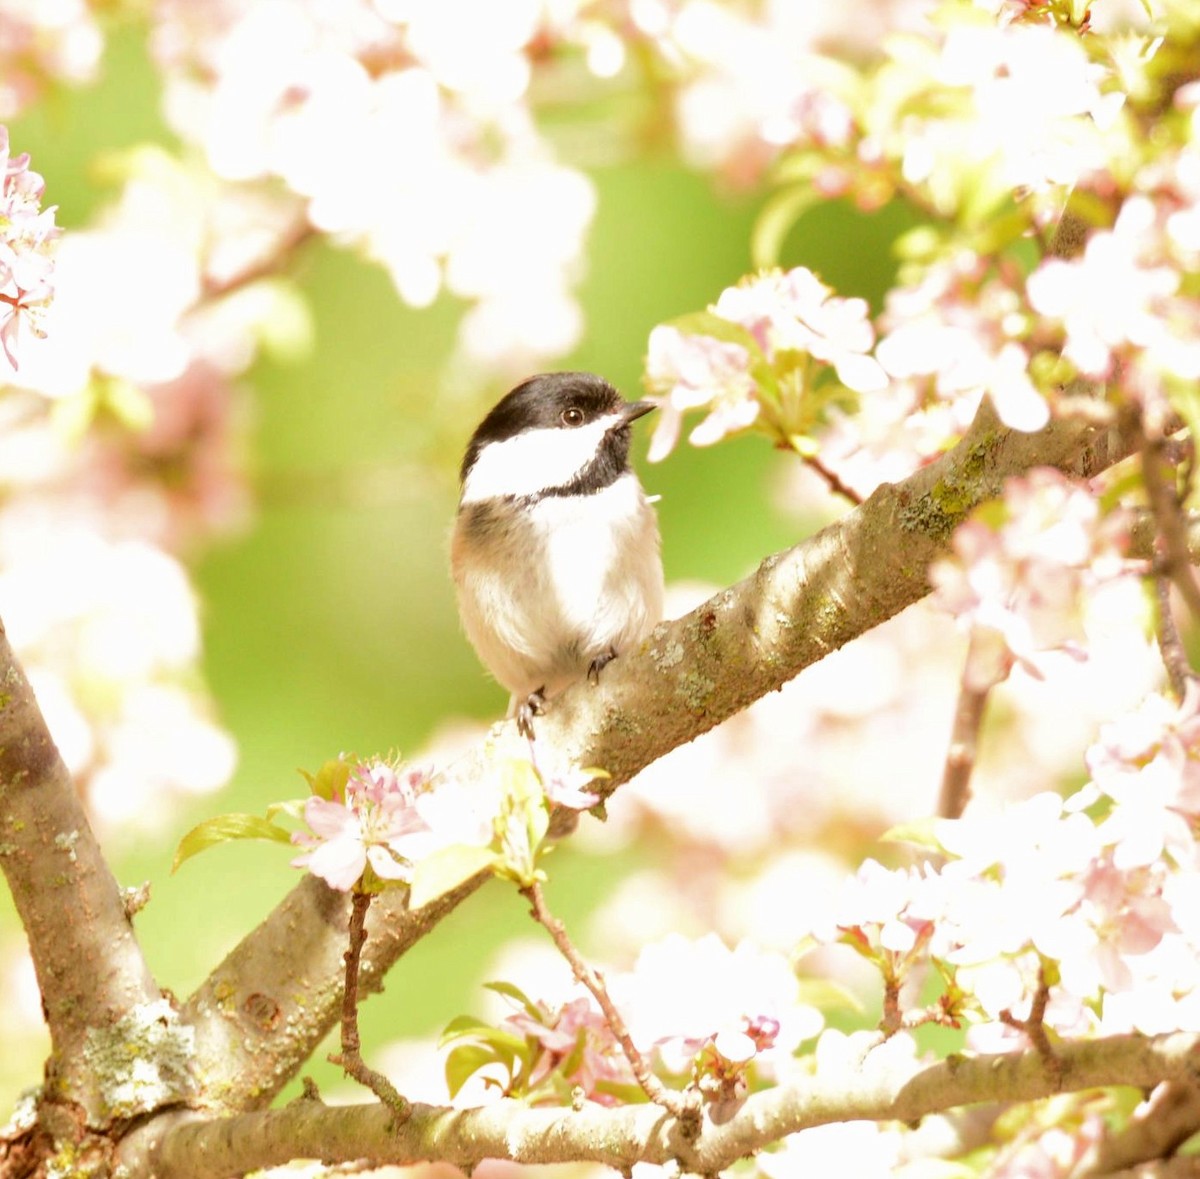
(142, 1061)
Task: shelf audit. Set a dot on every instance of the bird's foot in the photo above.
(533, 705)
(598, 664)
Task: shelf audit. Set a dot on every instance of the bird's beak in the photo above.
(637, 409)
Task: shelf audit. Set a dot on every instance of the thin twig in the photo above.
(270, 263)
(833, 480)
(1174, 657)
(1034, 1026)
(964, 740)
(350, 1057)
(685, 1107)
(893, 1017)
(1159, 479)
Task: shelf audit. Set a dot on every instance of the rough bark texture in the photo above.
(96, 989)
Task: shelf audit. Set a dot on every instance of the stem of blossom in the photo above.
(893, 1017)
(1158, 477)
(268, 264)
(1174, 657)
(964, 741)
(685, 1107)
(1035, 1025)
(350, 1057)
(835, 483)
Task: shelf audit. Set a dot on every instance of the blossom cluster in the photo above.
(123, 434)
(27, 238)
(466, 195)
(742, 1026)
(1019, 571)
(776, 351)
(44, 41)
(371, 822)
(1091, 899)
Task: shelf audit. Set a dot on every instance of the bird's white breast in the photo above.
(549, 587)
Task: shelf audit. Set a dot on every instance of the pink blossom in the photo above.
(565, 784)
(1018, 580)
(794, 311)
(1148, 763)
(1161, 738)
(366, 827)
(694, 371)
(682, 995)
(795, 331)
(1110, 297)
(578, 1027)
(27, 234)
(955, 330)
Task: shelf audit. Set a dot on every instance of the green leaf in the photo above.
(464, 1062)
(827, 995)
(514, 992)
(775, 222)
(330, 780)
(292, 807)
(446, 868)
(224, 828)
(128, 403)
(919, 833)
(709, 323)
(504, 1043)
(460, 1027)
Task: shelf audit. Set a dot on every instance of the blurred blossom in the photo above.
(753, 79)
(466, 195)
(1111, 296)
(1039, 111)
(951, 335)
(131, 284)
(1148, 763)
(112, 657)
(1018, 572)
(22, 1022)
(44, 42)
(159, 747)
(680, 994)
(866, 1150)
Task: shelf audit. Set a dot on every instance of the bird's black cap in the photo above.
(541, 402)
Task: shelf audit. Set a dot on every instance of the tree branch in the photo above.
(885, 1084)
(690, 675)
(964, 740)
(96, 987)
(350, 1057)
(1168, 1120)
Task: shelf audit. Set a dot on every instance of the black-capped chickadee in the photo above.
(555, 550)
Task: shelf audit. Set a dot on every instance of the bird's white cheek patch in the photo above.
(534, 460)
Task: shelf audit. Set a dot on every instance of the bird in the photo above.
(555, 550)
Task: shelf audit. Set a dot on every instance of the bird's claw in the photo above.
(533, 705)
(598, 664)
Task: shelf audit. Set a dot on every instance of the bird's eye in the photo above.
(572, 416)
